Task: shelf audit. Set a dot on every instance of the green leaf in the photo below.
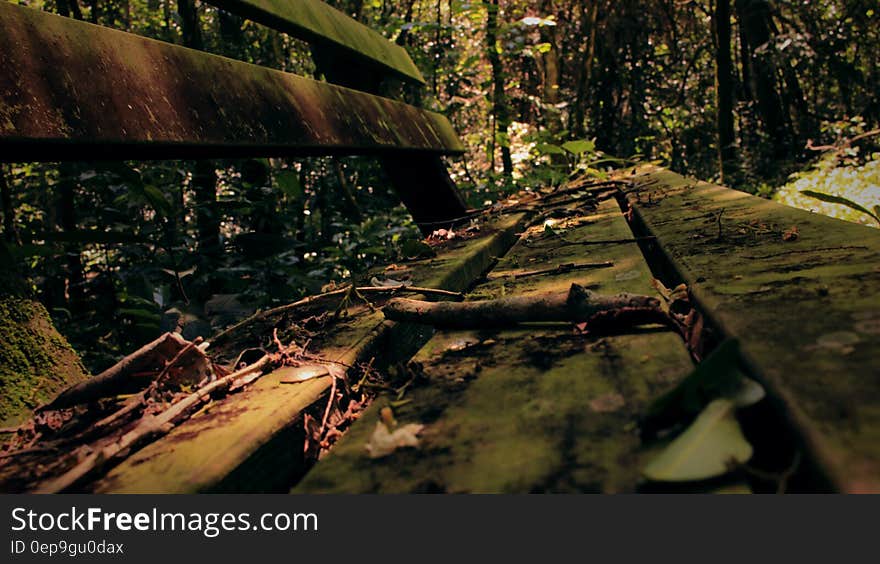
(705, 450)
(157, 200)
(717, 376)
(579, 147)
(288, 182)
(549, 149)
(141, 315)
(832, 199)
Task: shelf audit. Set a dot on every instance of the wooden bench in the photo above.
(70, 90)
(516, 409)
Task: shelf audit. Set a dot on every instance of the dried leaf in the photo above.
(389, 282)
(790, 234)
(297, 374)
(384, 442)
(661, 289)
(708, 448)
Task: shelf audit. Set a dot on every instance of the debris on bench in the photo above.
(226, 444)
(803, 308)
(578, 304)
(529, 408)
(132, 373)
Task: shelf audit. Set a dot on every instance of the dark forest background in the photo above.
(770, 97)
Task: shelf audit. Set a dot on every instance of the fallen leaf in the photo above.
(384, 442)
(707, 449)
(790, 234)
(716, 376)
(389, 282)
(840, 341)
(297, 374)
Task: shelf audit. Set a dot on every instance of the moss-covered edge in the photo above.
(36, 361)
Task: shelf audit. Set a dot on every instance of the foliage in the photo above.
(574, 83)
(846, 191)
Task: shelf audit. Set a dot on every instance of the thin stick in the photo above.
(23, 451)
(329, 404)
(410, 289)
(149, 428)
(560, 269)
(569, 243)
(332, 294)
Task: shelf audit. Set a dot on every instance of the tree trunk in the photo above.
(500, 111)
(585, 74)
(9, 233)
(66, 215)
(204, 175)
(551, 70)
(189, 24)
(754, 17)
(724, 91)
(204, 185)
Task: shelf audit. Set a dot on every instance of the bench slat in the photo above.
(73, 90)
(248, 441)
(323, 25)
(533, 409)
(803, 305)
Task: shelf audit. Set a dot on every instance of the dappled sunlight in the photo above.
(860, 184)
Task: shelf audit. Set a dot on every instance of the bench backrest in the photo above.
(71, 90)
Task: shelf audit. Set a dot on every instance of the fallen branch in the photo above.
(576, 305)
(125, 376)
(320, 298)
(149, 428)
(560, 269)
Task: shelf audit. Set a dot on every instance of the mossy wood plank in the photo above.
(534, 409)
(804, 306)
(252, 441)
(73, 90)
(320, 24)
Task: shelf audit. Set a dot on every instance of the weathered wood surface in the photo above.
(252, 441)
(72, 90)
(536, 409)
(320, 24)
(805, 306)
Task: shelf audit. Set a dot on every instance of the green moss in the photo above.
(521, 410)
(36, 362)
(787, 300)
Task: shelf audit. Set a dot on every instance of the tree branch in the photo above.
(578, 304)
